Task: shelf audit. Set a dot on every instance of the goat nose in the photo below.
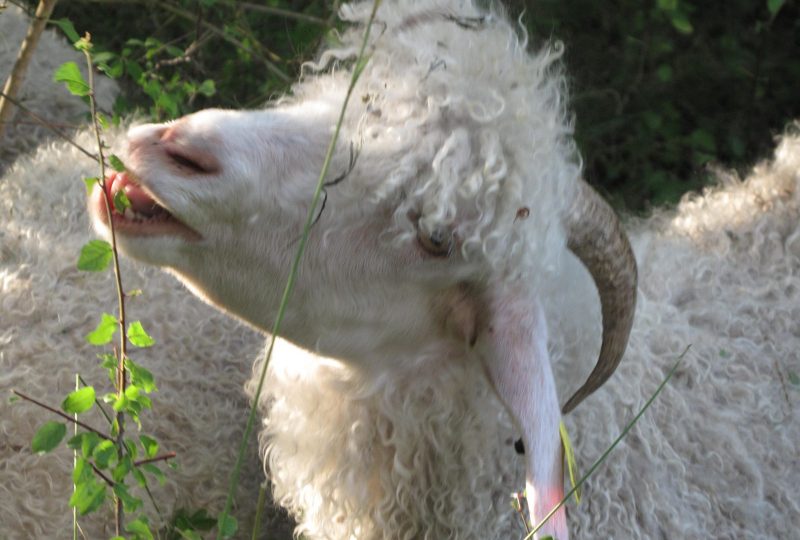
(144, 134)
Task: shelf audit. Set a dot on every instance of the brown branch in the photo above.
(48, 125)
(163, 457)
(63, 415)
(101, 475)
(17, 76)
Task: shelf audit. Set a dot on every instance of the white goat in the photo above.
(715, 457)
(423, 272)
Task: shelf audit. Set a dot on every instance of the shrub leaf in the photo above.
(95, 256)
(71, 76)
(48, 436)
(104, 331)
(79, 401)
(137, 335)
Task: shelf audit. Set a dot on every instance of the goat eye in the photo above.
(438, 243)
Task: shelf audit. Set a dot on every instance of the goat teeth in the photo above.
(128, 213)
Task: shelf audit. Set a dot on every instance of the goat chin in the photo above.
(436, 292)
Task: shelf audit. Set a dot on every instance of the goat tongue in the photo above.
(141, 202)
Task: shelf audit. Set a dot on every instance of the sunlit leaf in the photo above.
(48, 436)
(79, 401)
(71, 76)
(149, 444)
(88, 496)
(103, 453)
(95, 256)
(140, 376)
(137, 335)
(104, 331)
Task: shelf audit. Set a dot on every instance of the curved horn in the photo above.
(595, 236)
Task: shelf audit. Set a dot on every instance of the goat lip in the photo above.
(146, 216)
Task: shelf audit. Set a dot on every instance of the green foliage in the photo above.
(79, 401)
(104, 332)
(95, 256)
(48, 436)
(660, 89)
(116, 163)
(71, 76)
(138, 337)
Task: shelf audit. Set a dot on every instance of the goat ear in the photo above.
(512, 345)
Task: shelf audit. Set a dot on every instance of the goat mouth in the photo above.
(144, 217)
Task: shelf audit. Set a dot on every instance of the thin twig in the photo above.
(26, 50)
(62, 415)
(97, 402)
(233, 41)
(121, 374)
(163, 457)
(99, 473)
(48, 125)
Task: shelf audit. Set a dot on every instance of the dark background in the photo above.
(660, 88)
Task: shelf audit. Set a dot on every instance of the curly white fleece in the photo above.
(716, 456)
(454, 109)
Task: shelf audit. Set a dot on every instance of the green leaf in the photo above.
(82, 471)
(116, 163)
(794, 378)
(668, 5)
(71, 76)
(774, 6)
(189, 534)
(664, 73)
(140, 376)
(201, 520)
(681, 23)
(104, 331)
(569, 454)
(155, 471)
(48, 436)
(150, 446)
(102, 120)
(90, 183)
(122, 469)
(207, 88)
(85, 442)
(227, 525)
(137, 335)
(88, 496)
(13, 399)
(140, 528)
(121, 201)
(129, 502)
(103, 453)
(95, 256)
(67, 27)
(79, 401)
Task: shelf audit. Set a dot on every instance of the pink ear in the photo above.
(512, 344)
